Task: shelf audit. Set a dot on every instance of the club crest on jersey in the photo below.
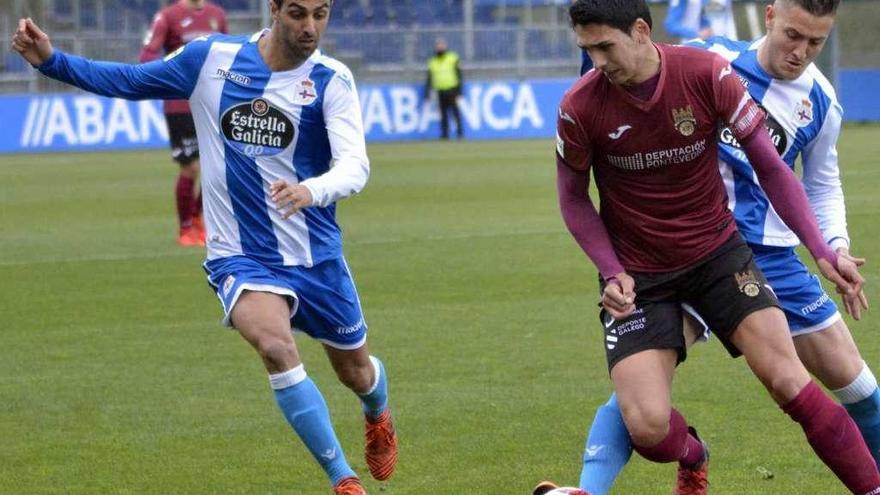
(305, 93)
(748, 283)
(684, 120)
(257, 128)
(803, 112)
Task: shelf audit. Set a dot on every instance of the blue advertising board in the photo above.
(858, 89)
(391, 112)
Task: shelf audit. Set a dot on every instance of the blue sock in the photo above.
(305, 410)
(866, 414)
(608, 449)
(376, 400)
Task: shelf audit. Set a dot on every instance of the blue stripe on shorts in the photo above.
(324, 300)
(808, 308)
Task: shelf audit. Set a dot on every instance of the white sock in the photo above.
(860, 389)
(287, 378)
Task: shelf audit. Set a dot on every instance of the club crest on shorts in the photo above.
(684, 120)
(748, 283)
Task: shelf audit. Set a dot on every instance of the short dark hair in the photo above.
(819, 8)
(280, 3)
(620, 14)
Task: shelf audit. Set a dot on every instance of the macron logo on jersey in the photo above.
(232, 76)
(726, 71)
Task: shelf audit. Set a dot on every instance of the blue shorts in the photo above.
(807, 306)
(323, 299)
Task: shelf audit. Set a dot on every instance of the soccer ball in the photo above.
(566, 490)
(548, 489)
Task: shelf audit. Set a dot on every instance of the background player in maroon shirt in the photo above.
(645, 121)
(173, 27)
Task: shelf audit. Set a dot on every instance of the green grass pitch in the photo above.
(117, 378)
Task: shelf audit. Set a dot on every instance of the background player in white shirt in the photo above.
(689, 19)
(281, 140)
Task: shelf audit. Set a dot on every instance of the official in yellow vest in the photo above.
(444, 77)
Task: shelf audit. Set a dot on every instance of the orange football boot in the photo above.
(380, 448)
(189, 237)
(349, 486)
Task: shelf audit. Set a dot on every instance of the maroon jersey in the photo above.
(177, 25)
(656, 161)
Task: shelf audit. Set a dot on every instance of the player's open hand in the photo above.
(619, 296)
(290, 198)
(854, 304)
(848, 281)
(32, 43)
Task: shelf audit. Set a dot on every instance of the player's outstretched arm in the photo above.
(174, 77)
(31, 42)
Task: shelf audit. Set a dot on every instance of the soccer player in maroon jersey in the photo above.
(173, 27)
(646, 123)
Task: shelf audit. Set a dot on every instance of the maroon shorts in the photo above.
(724, 288)
(182, 137)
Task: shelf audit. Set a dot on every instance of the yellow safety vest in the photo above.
(443, 73)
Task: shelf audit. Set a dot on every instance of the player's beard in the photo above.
(300, 50)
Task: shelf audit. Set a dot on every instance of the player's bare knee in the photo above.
(786, 383)
(831, 355)
(355, 376)
(647, 425)
(278, 352)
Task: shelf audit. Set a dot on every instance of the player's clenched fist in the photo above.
(32, 43)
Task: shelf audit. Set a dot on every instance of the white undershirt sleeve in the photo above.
(350, 167)
(822, 180)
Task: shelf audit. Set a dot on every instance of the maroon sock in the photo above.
(196, 206)
(679, 444)
(835, 439)
(184, 194)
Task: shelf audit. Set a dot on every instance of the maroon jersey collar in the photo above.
(643, 105)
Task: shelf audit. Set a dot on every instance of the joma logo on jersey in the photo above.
(256, 128)
(684, 120)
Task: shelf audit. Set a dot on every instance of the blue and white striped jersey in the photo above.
(803, 118)
(254, 127)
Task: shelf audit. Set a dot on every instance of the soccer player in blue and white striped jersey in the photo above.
(804, 119)
(281, 141)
